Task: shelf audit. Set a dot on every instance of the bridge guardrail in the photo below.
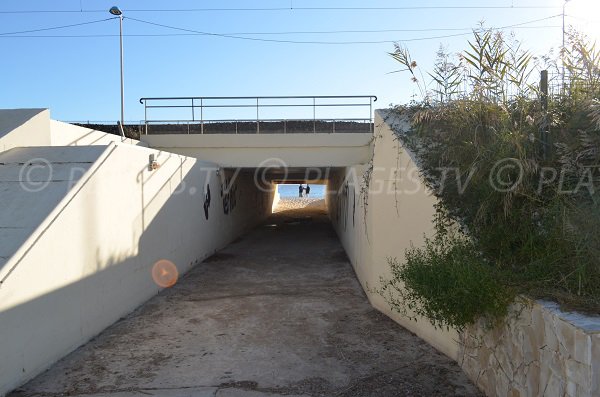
(191, 112)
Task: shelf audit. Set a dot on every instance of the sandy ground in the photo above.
(296, 203)
(278, 312)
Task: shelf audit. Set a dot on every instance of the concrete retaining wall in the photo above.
(537, 351)
(383, 220)
(541, 352)
(65, 134)
(24, 127)
(90, 261)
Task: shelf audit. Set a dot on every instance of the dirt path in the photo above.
(278, 312)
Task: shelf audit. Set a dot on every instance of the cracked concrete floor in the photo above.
(278, 312)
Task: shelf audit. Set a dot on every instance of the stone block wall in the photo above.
(537, 350)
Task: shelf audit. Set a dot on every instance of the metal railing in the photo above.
(192, 113)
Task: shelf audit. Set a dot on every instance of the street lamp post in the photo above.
(117, 12)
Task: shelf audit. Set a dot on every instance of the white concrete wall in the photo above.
(397, 212)
(24, 127)
(33, 180)
(65, 134)
(251, 150)
(89, 262)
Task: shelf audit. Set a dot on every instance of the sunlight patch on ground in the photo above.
(286, 204)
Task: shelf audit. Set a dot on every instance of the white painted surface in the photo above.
(26, 176)
(89, 261)
(398, 213)
(24, 127)
(252, 150)
(65, 134)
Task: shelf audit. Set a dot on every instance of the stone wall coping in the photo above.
(588, 323)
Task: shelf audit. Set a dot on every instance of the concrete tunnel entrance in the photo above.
(277, 312)
(293, 187)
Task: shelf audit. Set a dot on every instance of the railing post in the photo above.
(371, 118)
(201, 116)
(334, 126)
(314, 116)
(146, 117)
(285, 126)
(257, 122)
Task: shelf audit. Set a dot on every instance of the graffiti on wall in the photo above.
(343, 205)
(207, 201)
(353, 207)
(229, 195)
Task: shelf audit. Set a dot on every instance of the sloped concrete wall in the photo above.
(24, 127)
(33, 180)
(65, 134)
(380, 221)
(90, 261)
(537, 351)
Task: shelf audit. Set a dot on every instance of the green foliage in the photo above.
(447, 281)
(447, 75)
(533, 222)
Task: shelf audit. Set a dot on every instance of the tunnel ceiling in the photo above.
(292, 174)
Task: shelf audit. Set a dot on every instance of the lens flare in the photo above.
(164, 273)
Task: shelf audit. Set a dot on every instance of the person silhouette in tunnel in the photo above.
(307, 190)
(300, 190)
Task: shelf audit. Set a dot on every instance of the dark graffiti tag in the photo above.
(229, 195)
(207, 201)
(353, 208)
(344, 205)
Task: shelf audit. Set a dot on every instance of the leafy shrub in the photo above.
(446, 281)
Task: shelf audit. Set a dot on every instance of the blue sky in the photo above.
(78, 77)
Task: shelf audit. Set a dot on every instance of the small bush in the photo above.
(446, 281)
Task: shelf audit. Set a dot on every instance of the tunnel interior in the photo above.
(286, 182)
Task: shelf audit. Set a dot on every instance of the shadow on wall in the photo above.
(40, 331)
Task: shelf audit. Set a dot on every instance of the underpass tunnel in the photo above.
(293, 187)
(260, 296)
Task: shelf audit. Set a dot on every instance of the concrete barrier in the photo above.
(90, 261)
(24, 127)
(65, 134)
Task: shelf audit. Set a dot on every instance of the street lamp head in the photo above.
(115, 11)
